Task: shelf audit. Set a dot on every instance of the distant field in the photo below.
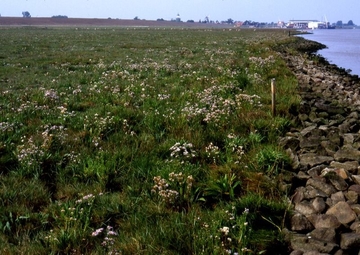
(141, 141)
(15, 21)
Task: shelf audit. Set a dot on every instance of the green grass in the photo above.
(141, 141)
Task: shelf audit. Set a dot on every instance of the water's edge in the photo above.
(341, 47)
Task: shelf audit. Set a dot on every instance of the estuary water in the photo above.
(343, 47)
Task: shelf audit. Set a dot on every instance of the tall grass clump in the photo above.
(141, 141)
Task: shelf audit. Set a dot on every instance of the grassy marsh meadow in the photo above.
(142, 141)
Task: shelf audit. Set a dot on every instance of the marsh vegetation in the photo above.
(142, 141)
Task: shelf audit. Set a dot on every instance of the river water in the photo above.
(343, 47)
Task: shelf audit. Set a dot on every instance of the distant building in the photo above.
(307, 24)
(281, 24)
(303, 24)
(238, 23)
(178, 19)
(299, 23)
(316, 25)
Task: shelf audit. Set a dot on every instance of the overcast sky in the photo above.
(240, 10)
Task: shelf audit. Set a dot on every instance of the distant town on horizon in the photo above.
(296, 24)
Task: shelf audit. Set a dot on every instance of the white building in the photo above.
(305, 24)
(316, 25)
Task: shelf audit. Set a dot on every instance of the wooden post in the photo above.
(273, 101)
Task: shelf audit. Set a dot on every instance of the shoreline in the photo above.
(325, 175)
(344, 55)
(312, 47)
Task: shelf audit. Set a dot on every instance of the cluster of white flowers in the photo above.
(234, 146)
(96, 141)
(212, 151)
(224, 230)
(237, 223)
(261, 62)
(231, 252)
(24, 106)
(95, 89)
(179, 178)
(192, 110)
(62, 109)
(72, 216)
(72, 157)
(176, 177)
(97, 232)
(53, 132)
(232, 233)
(77, 91)
(51, 94)
(35, 147)
(6, 126)
(239, 151)
(102, 123)
(161, 187)
(217, 107)
(182, 151)
(51, 237)
(97, 126)
(87, 198)
(163, 96)
(108, 236)
(29, 152)
(231, 215)
(214, 103)
(30, 106)
(64, 113)
(256, 78)
(127, 128)
(252, 99)
(166, 188)
(221, 108)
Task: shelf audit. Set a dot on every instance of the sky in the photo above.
(239, 10)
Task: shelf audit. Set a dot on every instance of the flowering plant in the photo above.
(176, 191)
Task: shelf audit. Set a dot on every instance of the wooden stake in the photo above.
(273, 98)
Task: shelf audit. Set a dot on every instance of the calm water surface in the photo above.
(343, 47)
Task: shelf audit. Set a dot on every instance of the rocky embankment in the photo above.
(325, 158)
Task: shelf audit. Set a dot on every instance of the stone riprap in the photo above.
(325, 179)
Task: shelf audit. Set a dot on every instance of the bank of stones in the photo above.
(325, 175)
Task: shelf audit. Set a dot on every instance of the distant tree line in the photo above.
(341, 24)
(60, 16)
(206, 20)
